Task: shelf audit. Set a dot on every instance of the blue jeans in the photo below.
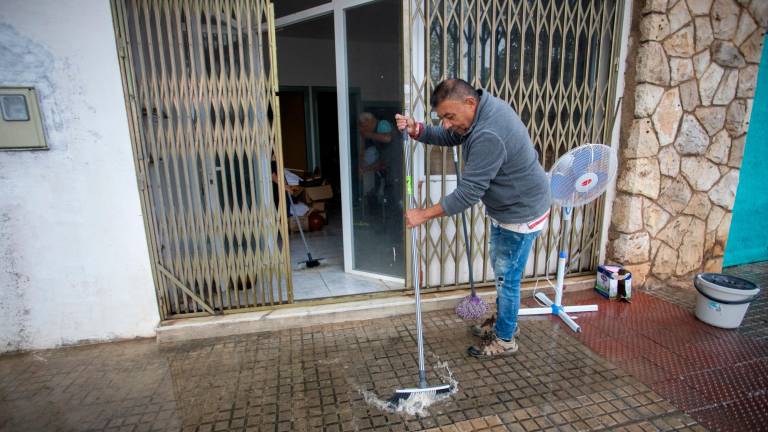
(509, 253)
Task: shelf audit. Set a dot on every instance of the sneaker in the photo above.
(493, 347)
(485, 330)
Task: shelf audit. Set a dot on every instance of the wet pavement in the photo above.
(720, 377)
(755, 324)
(314, 379)
(333, 377)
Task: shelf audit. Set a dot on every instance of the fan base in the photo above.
(559, 310)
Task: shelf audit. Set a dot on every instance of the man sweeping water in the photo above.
(502, 169)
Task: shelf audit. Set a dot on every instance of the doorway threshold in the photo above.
(317, 313)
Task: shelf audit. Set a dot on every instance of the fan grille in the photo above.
(582, 174)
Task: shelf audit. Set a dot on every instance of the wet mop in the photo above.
(471, 307)
(309, 262)
(424, 390)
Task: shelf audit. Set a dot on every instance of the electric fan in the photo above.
(577, 178)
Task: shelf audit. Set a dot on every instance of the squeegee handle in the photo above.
(415, 258)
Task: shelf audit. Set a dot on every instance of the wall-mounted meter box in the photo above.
(21, 127)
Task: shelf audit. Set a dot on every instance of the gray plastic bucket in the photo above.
(723, 300)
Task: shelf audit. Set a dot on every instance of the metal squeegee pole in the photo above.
(415, 258)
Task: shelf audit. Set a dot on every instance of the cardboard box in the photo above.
(295, 191)
(303, 220)
(318, 206)
(318, 193)
(614, 282)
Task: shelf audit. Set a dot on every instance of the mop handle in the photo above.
(415, 257)
(464, 227)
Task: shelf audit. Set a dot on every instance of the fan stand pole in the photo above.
(556, 307)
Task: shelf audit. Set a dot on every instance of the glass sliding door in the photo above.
(375, 88)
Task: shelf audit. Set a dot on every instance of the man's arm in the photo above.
(486, 156)
(484, 162)
(434, 135)
(382, 133)
(439, 136)
(415, 217)
(379, 137)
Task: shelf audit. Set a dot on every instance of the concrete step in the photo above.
(299, 315)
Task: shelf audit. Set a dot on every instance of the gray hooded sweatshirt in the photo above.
(501, 166)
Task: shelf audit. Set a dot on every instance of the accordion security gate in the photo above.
(555, 62)
(200, 85)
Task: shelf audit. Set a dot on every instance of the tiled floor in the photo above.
(329, 279)
(314, 379)
(645, 366)
(755, 324)
(719, 377)
(496, 424)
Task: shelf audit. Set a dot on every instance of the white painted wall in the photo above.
(74, 264)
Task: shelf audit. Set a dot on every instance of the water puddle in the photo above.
(417, 404)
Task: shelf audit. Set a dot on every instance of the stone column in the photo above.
(694, 79)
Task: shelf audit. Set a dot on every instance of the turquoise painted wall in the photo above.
(748, 237)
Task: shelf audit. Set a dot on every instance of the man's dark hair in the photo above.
(455, 88)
